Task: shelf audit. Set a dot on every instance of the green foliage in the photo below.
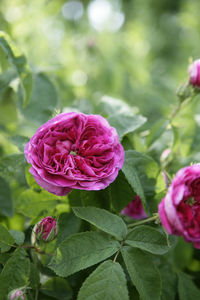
(6, 204)
(186, 288)
(57, 288)
(143, 272)
(19, 63)
(15, 273)
(95, 247)
(106, 282)
(103, 220)
(147, 238)
(6, 239)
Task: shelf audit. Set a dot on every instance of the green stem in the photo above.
(151, 219)
(114, 260)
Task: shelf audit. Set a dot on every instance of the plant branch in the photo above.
(151, 219)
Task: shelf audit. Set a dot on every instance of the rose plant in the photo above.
(93, 211)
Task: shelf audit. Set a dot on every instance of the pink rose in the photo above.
(194, 72)
(46, 229)
(179, 211)
(16, 294)
(135, 209)
(75, 151)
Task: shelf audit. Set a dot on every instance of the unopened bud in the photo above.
(46, 230)
(194, 72)
(16, 294)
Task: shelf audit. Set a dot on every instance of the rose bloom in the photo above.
(179, 211)
(194, 72)
(46, 229)
(16, 294)
(134, 209)
(75, 151)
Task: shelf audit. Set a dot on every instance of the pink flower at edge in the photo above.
(74, 151)
(16, 294)
(135, 209)
(179, 211)
(194, 72)
(46, 229)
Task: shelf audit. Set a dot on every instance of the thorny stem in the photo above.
(151, 219)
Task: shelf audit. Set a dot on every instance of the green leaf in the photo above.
(43, 101)
(121, 116)
(12, 165)
(144, 274)
(57, 288)
(34, 276)
(31, 203)
(107, 282)
(120, 192)
(18, 236)
(5, 79)
(19, 62)
(156, 131)
(81, 251)
(68, 224)
(6, 239)
(103, 220)
(147, 238)
(19, 141)
(141, 172)
(6, 202)
(186, 288)
(15, 273)
(169, 280)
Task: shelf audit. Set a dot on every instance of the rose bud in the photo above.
(194, 72)
(179, 211)
(75, 151)
(46, 230)
(16, 294)
(134, 209)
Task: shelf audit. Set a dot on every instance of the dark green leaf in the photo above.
(120, 192)
(68, 224)
(5, 79)
(81, 251)
(57, 288)
(18, 236)
(169, 282)
(186, 288)
(15, 273)
(147, 238)
(18, 61)
(144, 274)
(141, 172)
(107, 282)
(6, 239)
(6, 203)
(34, 276)
(103, 220)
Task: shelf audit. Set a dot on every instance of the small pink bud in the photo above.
(194, 72)
(46, 230)
(135, 209)
(16, 294)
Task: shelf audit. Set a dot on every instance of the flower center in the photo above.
(73, 153)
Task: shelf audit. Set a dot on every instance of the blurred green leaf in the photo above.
(57, 288)
(169, 281)
(144, 274)
(43, 101)
(34, 276)
(186, 288)
(6, 202)
(102, 219)
(147, 238)
(19, 141)
(12, 166)
(156, 131)
(81, 251)
(5, 80)
(18, 61)
(121, 116)
(106, 282)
